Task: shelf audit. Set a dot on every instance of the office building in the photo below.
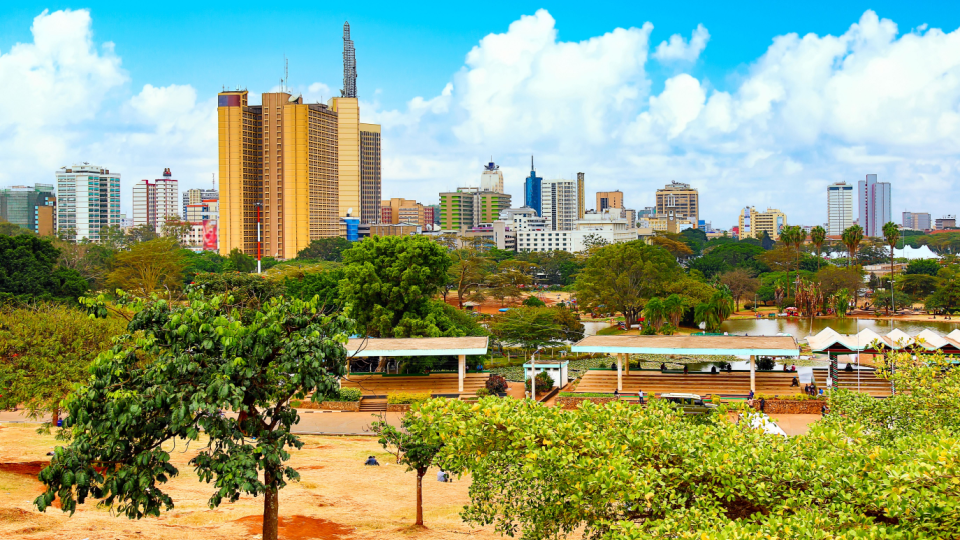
(155, 200)
(532, 190)
(606, 226)
(523, 219)
(559, 203)
(839, 208)
(197, 196)
(203, 210)
(403, 211)
(469, 207)
(665, 223)
(680, 201)
(431, 215)
(609, 199)
(491, 179)
(753, 224)
(370, 185)
(946, 222)
(646, 211)
(303, 167)
(581, 195)
(918, 221)
(33, 208)
(88, 199)
(631, 217)
(874, 201)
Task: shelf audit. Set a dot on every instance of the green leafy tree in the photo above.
(919, 286)
(714, 312)
(140, 233)
(841, 302)
(724, 257)
(324, 284)
(12, 229)
(624, 276)
(929, 267)
(674, 307)
(206, 359)
(390, 283)
(740, 283)
(416, 451)
(794, 236)
(202, 262)
(946, 299)
(151, 267)
(818, 236)
(530, 328)
(45, 350)
(654, 314)
(891, 235)
(249, 291)
(325, 249)
(238, 261)
(533, 301)
(29, 270)
(852, 237)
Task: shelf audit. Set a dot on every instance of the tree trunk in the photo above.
(420, 473)
(55, 417)
(271, 509)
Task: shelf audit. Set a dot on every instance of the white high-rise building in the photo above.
(839, 208)
(88, 199)
(155, 200)
(492, 178)
(558, 199)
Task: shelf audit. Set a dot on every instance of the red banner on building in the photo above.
(209, 235)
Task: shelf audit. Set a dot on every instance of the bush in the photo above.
(715, 400)
(791, 397)
(765, 363)
(410, 398)
(544, 381)
(585, 394)
(496, 384)
(533, 301)
(748, 305)
(345, 394)
(482, 392)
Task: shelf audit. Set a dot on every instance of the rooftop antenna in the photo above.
(286, 72)
(213, 180)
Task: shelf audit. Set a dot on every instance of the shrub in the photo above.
(544, 381)
(496, 384)
(765, 363)
(791, 397)
(585, 394)
(748, 305)
(533, 301)
(344, 394)
(410, 398)
(482, 392)
(715, 400)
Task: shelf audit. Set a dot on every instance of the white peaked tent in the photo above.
(829, 340)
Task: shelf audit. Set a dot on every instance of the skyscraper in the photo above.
(918, 221)
(581, 195)
(349, 64)
(839, 208)
(532, 190)
(33, 208)
(155, 200)
(88, 200)
(559, 202)
(875, 210)
(491, 179)
(370, 184)
(677, 200)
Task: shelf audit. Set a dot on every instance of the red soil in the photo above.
(299, 528)
(27, 468)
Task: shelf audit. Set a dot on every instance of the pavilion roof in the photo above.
(424, 346)
(783, 346)
(829, 339)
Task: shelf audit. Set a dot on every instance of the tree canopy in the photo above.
(29, 269)
(325, 249)
(728, 256)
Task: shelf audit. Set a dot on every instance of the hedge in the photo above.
(404, 397)
(345, 394)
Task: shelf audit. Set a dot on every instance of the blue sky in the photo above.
(665, 117)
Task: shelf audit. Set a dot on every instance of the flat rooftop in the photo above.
(442, 346)
(782, 346)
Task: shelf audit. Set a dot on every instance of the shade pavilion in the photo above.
(460, 347)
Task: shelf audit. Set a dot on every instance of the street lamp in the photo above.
(259, 205)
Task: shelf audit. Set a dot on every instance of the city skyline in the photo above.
(692, 110)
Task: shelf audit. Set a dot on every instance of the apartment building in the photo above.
(839, 208)
(752, 224)
(468, 207)
(560, 203)
(679, 200)
(88, 200)
(406, 211)
(918, 221)
(155, 200)
(609, 199)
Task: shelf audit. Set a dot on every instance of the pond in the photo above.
(801, 328)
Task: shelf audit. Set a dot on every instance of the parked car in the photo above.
(691, 403)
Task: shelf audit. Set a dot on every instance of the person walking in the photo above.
(763, 405)
(640, 395)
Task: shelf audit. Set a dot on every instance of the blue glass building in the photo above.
(531, 190)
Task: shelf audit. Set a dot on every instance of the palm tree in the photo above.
(794, 236)
(851, 237)
(891, 235)
(715, 311)
(841, 302)
(818, 235)
(654, 313)
(674, 308)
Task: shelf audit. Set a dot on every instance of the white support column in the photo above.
(461, 369)
(619, 372)
(753, 374)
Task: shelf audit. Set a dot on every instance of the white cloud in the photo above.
(679, 49)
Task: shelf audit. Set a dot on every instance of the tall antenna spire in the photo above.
(349, 65)
(531, 163)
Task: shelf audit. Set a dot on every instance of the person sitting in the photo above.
(713, 370)
(616, 393)
(613, 366)
(371, 461)
(750, 397)
(849, 367)
(663, 367)
(686, 369)
(795, 382)
(786, 368)
(729, 368)
(793, 368)
(442, 476)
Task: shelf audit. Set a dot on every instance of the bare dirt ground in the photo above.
(492, 306)
(337, 498)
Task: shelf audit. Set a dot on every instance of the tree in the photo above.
(674, 307)
(679, 249)
(12, 229)
(851, 237)
(654, 314)
(794, 236)
(530, 328)
(416, 451)
(175, 228)
(891, 235)
(325, 285)
(740, 283)
(140, 233)
(389, 284)
(778, 259)
(623, 276)
(725, 257)
(818, 235)
(154, 266)
(197, 263)
(326, 249)
(592, 242)
(468, 273)
(929, 267)
(249, 291)
(946, 298)
(714, 312)
(28, 269)
(238, 261)
(46, 349)
(841, 302)
(919, 286)
(206, 358)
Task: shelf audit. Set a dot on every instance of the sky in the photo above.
(753, 106)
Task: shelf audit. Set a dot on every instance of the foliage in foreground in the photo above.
(205, 357)
(626, 472)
